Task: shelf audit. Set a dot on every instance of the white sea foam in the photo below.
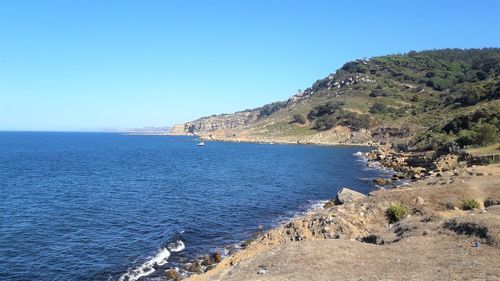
(177, 246)
(317, 205)
(159, 259)
(358, 154)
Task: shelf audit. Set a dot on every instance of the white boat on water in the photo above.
(201, 143)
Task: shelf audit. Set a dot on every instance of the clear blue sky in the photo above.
(90, 64)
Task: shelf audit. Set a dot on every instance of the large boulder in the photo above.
(346, 195)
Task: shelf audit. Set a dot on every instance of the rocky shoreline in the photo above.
(427, 243)
(293, 141)
(363, 222)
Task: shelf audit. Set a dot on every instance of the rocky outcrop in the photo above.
(178, 130)
(413, 165)
(422, 160)
(216, 122)
(346, 195)
(447, 163)
(390, 132)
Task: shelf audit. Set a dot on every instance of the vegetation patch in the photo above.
(271, 108)
(469, 204)
(299, 118)
(396, 212)
(474, 129)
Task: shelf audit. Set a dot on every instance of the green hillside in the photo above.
(431, 97)
(423, 100)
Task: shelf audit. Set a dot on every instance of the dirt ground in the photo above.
(436, 241)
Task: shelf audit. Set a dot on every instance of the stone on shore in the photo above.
(329, 204)
(195, 267)
(217, 257)
(210, 260)
(346, 195)
(172, 274)
(207, 261)
(381, 181)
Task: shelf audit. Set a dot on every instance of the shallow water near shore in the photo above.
(103, 206)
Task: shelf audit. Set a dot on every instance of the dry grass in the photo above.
(493, 149)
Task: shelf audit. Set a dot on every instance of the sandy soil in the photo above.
(435, 242)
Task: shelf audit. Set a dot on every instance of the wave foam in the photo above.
(177, 246)
(150, 265)
(358, 154)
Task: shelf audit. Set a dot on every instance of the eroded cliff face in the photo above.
(242, 120)
(216, 122)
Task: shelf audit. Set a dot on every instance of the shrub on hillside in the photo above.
(270, 108)
(299, 118)
(433, 140)
(355, 121)
(325, 122)
(439, 84)
(480, 135)
(486, 134)
(379, 108)
(469, 204)
(355, 67)
(466, 137)
(378, 93)
(396, 212)
(481, 75)
(326, 109)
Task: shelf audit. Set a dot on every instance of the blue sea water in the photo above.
(104, 206)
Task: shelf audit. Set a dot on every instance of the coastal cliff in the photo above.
(216, 122)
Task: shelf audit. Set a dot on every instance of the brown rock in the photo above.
(217, 257)
(195, 267)
(207, 261)
(172, 274)
(328, 205)
(447, 163)
(381, 181)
